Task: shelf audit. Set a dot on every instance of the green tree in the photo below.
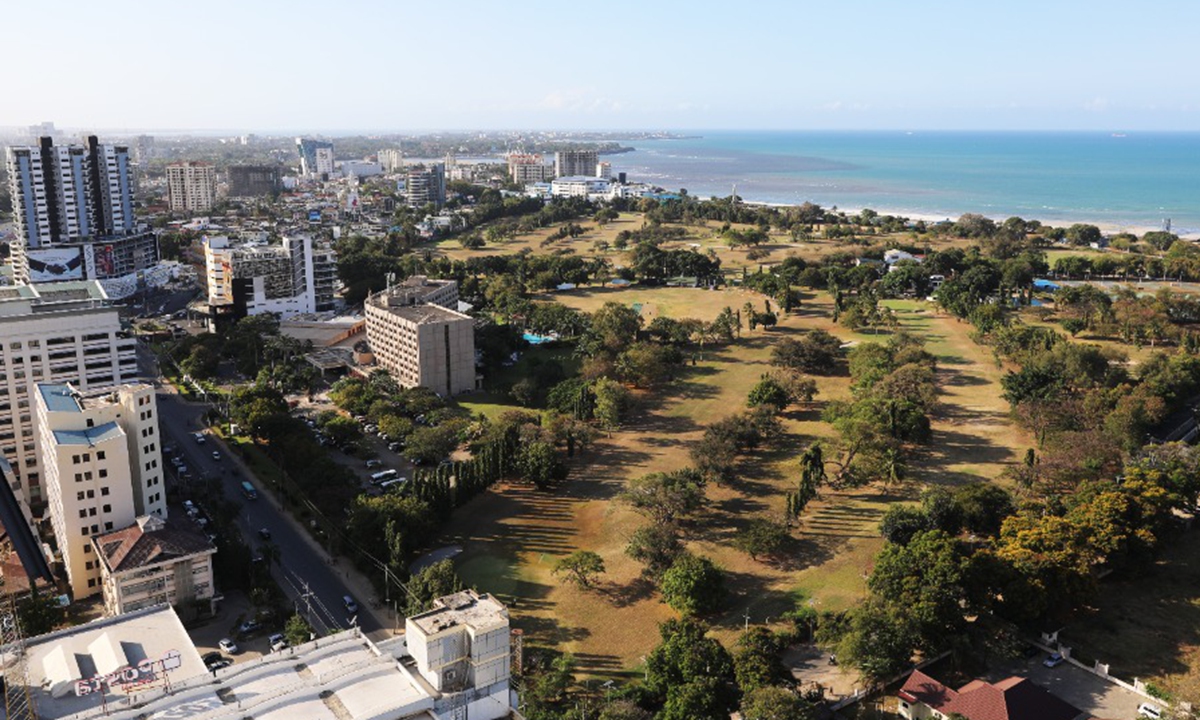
(693, 585)
(656, 546)
(775, 703)
(342, 431)
(581, 567)
(428, 584)
(624, 710)
(768, 391)
(816, 353)
(756, 659)
(39, 614)
(665, 498)
(695, 700)
(431, 444)
(761, 537)
(297, 631)
(685, 654)
(612, 402)
(538, 462)
(614, 326)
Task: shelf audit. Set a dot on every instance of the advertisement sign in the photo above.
(314, 216)
(138, 674)
(106, 263)
(55, 264)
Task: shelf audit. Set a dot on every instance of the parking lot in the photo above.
(1090, 693)
(382, 457)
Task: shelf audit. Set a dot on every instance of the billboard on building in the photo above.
(314, 216)
(55, 264)
(106, 264)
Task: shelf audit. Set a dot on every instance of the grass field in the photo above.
(513, 535)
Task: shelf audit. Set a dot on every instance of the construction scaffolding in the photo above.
(18, 704)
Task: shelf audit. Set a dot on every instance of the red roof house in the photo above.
(1016, 698)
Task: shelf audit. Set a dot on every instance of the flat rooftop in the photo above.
(420, 314)
(62, 397)
(462, 609)
(90, 436)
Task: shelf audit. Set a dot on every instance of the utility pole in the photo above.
(747, 617)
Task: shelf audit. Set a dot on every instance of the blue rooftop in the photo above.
(89, 437)
(58, 398)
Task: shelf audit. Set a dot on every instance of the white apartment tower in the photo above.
(415, 335)
(391, 160)
(103, 468)
(191, 186)
(253, 278)
(61, 333)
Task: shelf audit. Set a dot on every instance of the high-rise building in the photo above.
(254, 180)
(73, 207)
(528, 168)
(573, 163)
(391, 160)
(417, 337)
(291, 278)
(316, 157)
(191, 186)
(425, 184)
(61, 333)
(103, 463)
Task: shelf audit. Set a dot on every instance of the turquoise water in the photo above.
(536, 339)
(1133, 180)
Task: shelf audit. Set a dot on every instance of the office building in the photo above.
(524, 169)
(569, 163)
(416, 337)
(425, 184)
(316, 157)
(361, 169)
(62, 333)
(254, 277)
(254, 180)
(154, 562)
(191, 186)
(580, 186)
(391, 160)
(73, 207)
(452, 663)
(101, 454)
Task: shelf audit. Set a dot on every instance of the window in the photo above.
(84, 531)
(104, 492)
(91, 422)
(107, 508)
(100, 455)
(91, 493)
(87, 457)
(79, 496)
(88, 565)
(87, 548)
(92, 512)
(103, 473)
(75, 459)
(78, 477)
(83, 513)
(91, 582)
(95, 529)
(108, 526)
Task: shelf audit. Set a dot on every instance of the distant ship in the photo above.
(1118, 134)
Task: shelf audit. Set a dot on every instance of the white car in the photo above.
(228, 646)
(216, 455)
(200, 439)
(277, 642)
(1148, 710)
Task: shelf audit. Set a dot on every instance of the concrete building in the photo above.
(424, 184)
(254, 180)
(62, 333)
(73, 208)
(415, 335)
(580, 186)
(102, 459)
(1015, 698)
(253, 278)
(147, 667)
(154, 562)
(568, 163)
(191, 186)
(391, 160)
(361, 168)
(525, 168)
(316, 157)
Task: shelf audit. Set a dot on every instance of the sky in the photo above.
(396, 65)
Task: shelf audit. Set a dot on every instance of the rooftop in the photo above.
(420, 314)
(1016, 698)
(90, 436)
(63, 397)
(467, 608)
(149, 541)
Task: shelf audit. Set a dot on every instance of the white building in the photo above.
(415, 335)
(425, 184)
(191, 186)
(391, 160)
(581, 186)
(361, 168)
(526, 168)
(63, 333)
(102, 460)
(146, 667)
(252, 278)
(154, 562)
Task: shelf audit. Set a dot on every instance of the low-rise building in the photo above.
(154, 562)
(1016, 698)
(415, 335)
(580, 186)
(101, 455)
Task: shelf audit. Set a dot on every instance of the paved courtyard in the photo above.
(1088, 692)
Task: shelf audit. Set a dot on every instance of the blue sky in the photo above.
(489, 64)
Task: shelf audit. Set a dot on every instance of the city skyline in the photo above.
(311, 67)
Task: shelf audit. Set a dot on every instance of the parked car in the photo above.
(264, 533)
(249, 626)
(277, 642)
(351, 606)
(1148, 710)
(216, 456)
(228, 646)
(200, 439)
(1054, 660)
(373, 463)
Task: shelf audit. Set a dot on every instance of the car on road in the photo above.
(1149, 710)
(216, 455)
(277, 642)
(228, 646)
(351, 606)
(1054, 660)
(264, 533)
(200, 439)
(249, 626)
(373, 464)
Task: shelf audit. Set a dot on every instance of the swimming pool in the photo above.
(537, 339)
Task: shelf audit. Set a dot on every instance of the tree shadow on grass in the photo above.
(960, 378)
(640, 588)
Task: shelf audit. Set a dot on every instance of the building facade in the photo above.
(254, 180)
(73, 208)
(154, 562)
(525, 168)
(191, 186)
(580, 186)
(568, 163)
(254, 278)
(425, 184)
(60, 333)
(316, 157)
(391, 160)
(102, 460)
(416, 337)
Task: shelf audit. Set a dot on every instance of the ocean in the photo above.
(1116, 180)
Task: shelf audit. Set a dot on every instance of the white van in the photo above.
(382, 476)
(395, 481)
